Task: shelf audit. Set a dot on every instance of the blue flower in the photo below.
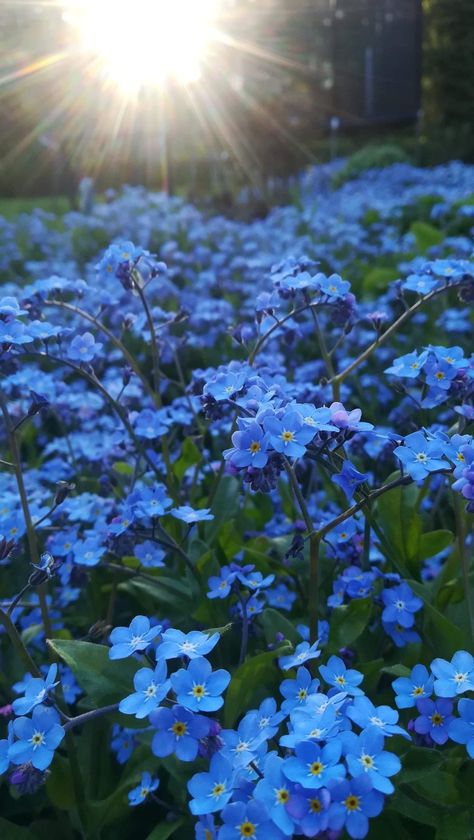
(220, 586)
(310, 809)
(88, 552)
(150, 501)
(365, 755)
(199, 688)
(353, 802)
(36, 690)
(128, 640)
(400, 605)
(349, 479)
(247, 819)
(281, 597)
(150, 688)
(149, 554)
(303, 653)
(434, 720)
(123, 743)
(461, 730)
(195, 644)
(5, 744)
(255, 580)
(250, 444)
(212, 790)
(189, 515)
(410, 689)
(297, 691)
(401, 636)
(144, 789)
(225, 385)
(333, 286)
(150, 424)
(313, 766)
(38, 738)
(455, 677)
(83, 348)
(420, 456)
(345, 679)
(289, 434)
(382, 718)
(409, 366)
(276, 792)
(178, 731)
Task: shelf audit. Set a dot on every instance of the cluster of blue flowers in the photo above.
(236, 512)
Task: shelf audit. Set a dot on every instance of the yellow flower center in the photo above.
(315, 806)
(302, 694)
(367, 761)
(352, 803)
(218, 790)
(254, 447)
(247, 829)
(316, 768)
(418, 690)
(179, 728)
(437, 719)
(144, 792)
(287, 436)
(282, 796)
(37, 739)
(198, 691)
(341, 680)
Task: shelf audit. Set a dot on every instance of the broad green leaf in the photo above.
(252, 681)
(417, 763)
(225, 505)
(122, 468)
(103, 680)
(457, 826)
(274, 622)
(441, 789)
(433, 542)
(444, 636)
(400, 522)
(426, 236)
(415, 810)
(396, 670)
(348, 622)
(190, 455)
(59, 786)
(10, 831)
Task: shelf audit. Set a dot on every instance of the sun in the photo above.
(139, 43)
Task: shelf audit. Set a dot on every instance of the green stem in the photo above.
(314, 543)
(461, 541)
(340, 377)
(17, 643)
(30, 530)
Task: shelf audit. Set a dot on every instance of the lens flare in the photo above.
(145, 42)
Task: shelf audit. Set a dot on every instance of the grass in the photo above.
(10, 208)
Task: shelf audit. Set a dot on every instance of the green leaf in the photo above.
(413, 809)
(225, 505)
(165, 830)
(103, 680)
(274, 622)
(162, 589)
(122, 468)
(378, 279)
(347, 623)
(417, 763)
(433, 542)
(255, 678)
(10, 831)
(400, 522)
(59, 786)
(445, 637)
(396, 670)
(426, 236)
(455, 826)
(190, 455)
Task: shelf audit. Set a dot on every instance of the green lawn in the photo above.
(12, 207)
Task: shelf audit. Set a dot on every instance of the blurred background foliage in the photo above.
(292, 83)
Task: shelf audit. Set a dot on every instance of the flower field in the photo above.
(236, 526)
